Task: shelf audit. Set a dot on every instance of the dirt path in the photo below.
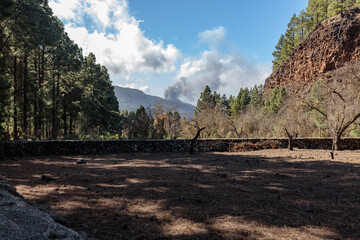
(269, 194)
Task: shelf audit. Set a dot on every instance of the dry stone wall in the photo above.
(39, 148)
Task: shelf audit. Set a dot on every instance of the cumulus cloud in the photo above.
(64, 9)
(213, 37)
(223, 72)
(106, 28)
(115, 37)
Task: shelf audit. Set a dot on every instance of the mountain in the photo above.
(130, 99)
(331, 45)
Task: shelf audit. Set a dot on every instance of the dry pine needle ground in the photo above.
(266, 194)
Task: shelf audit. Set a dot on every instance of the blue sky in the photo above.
(174, 48)
(253, 27)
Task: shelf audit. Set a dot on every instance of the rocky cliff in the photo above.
(331, 45)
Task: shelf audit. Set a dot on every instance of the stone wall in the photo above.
(38, 148)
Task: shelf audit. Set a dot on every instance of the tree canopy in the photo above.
(47, 87)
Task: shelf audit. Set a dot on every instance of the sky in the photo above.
(174, 48)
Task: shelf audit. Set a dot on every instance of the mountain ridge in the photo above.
(130, 99)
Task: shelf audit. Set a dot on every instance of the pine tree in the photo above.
(255, 95)
(44, 83)
(273, 103)
(206, 100)
(224, 103)
(141, 124)
(241, 102)
(277, 53)
(6, 10)
(100, 106)
(304, 27)
(290, 41)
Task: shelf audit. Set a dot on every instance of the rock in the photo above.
(81, 161)
(27, 222)
(125, 226)
(21, 220)
(47, 178)
(82, 234)
(4, 185)
(47, 209)
(222, 175)
(153, 218)
(199, 201)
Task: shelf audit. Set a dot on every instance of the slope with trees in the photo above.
(48, 89)
(302, 24)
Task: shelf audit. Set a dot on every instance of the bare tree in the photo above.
(215, 120)
(249, 122)
(337, 99)
(293, 120)
(166, 122)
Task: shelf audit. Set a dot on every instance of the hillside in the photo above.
(130, 99)
(331, 45)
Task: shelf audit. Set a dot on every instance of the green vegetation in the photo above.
(47, 88)
(273, 103)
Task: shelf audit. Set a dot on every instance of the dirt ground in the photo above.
(268, 194)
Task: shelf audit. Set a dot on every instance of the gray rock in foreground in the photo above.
(20, 219)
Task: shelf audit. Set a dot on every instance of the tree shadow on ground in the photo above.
(201, 196)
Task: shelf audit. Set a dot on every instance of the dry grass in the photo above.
(267, 194)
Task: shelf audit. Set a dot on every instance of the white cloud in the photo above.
(116, 39)
(135, 86)
(225, 73)
(123, 50)
(64, 8)
(213, 37)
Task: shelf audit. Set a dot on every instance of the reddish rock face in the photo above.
(332, 44)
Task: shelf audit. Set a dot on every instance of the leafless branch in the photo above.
(337, 94)
(312, 107)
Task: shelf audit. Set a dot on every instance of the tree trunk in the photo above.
(194, 140)
(57, 97)
(40, 119)
(25, 101)
(15, 119)
(71, 124)
(53, 115)
(64, 120)
(290, 143)
(337, 142)
(290, 139)
(36, 98)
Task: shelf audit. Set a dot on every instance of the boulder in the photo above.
(21, 219)
(81, 161)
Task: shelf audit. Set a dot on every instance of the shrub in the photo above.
(250, 146)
